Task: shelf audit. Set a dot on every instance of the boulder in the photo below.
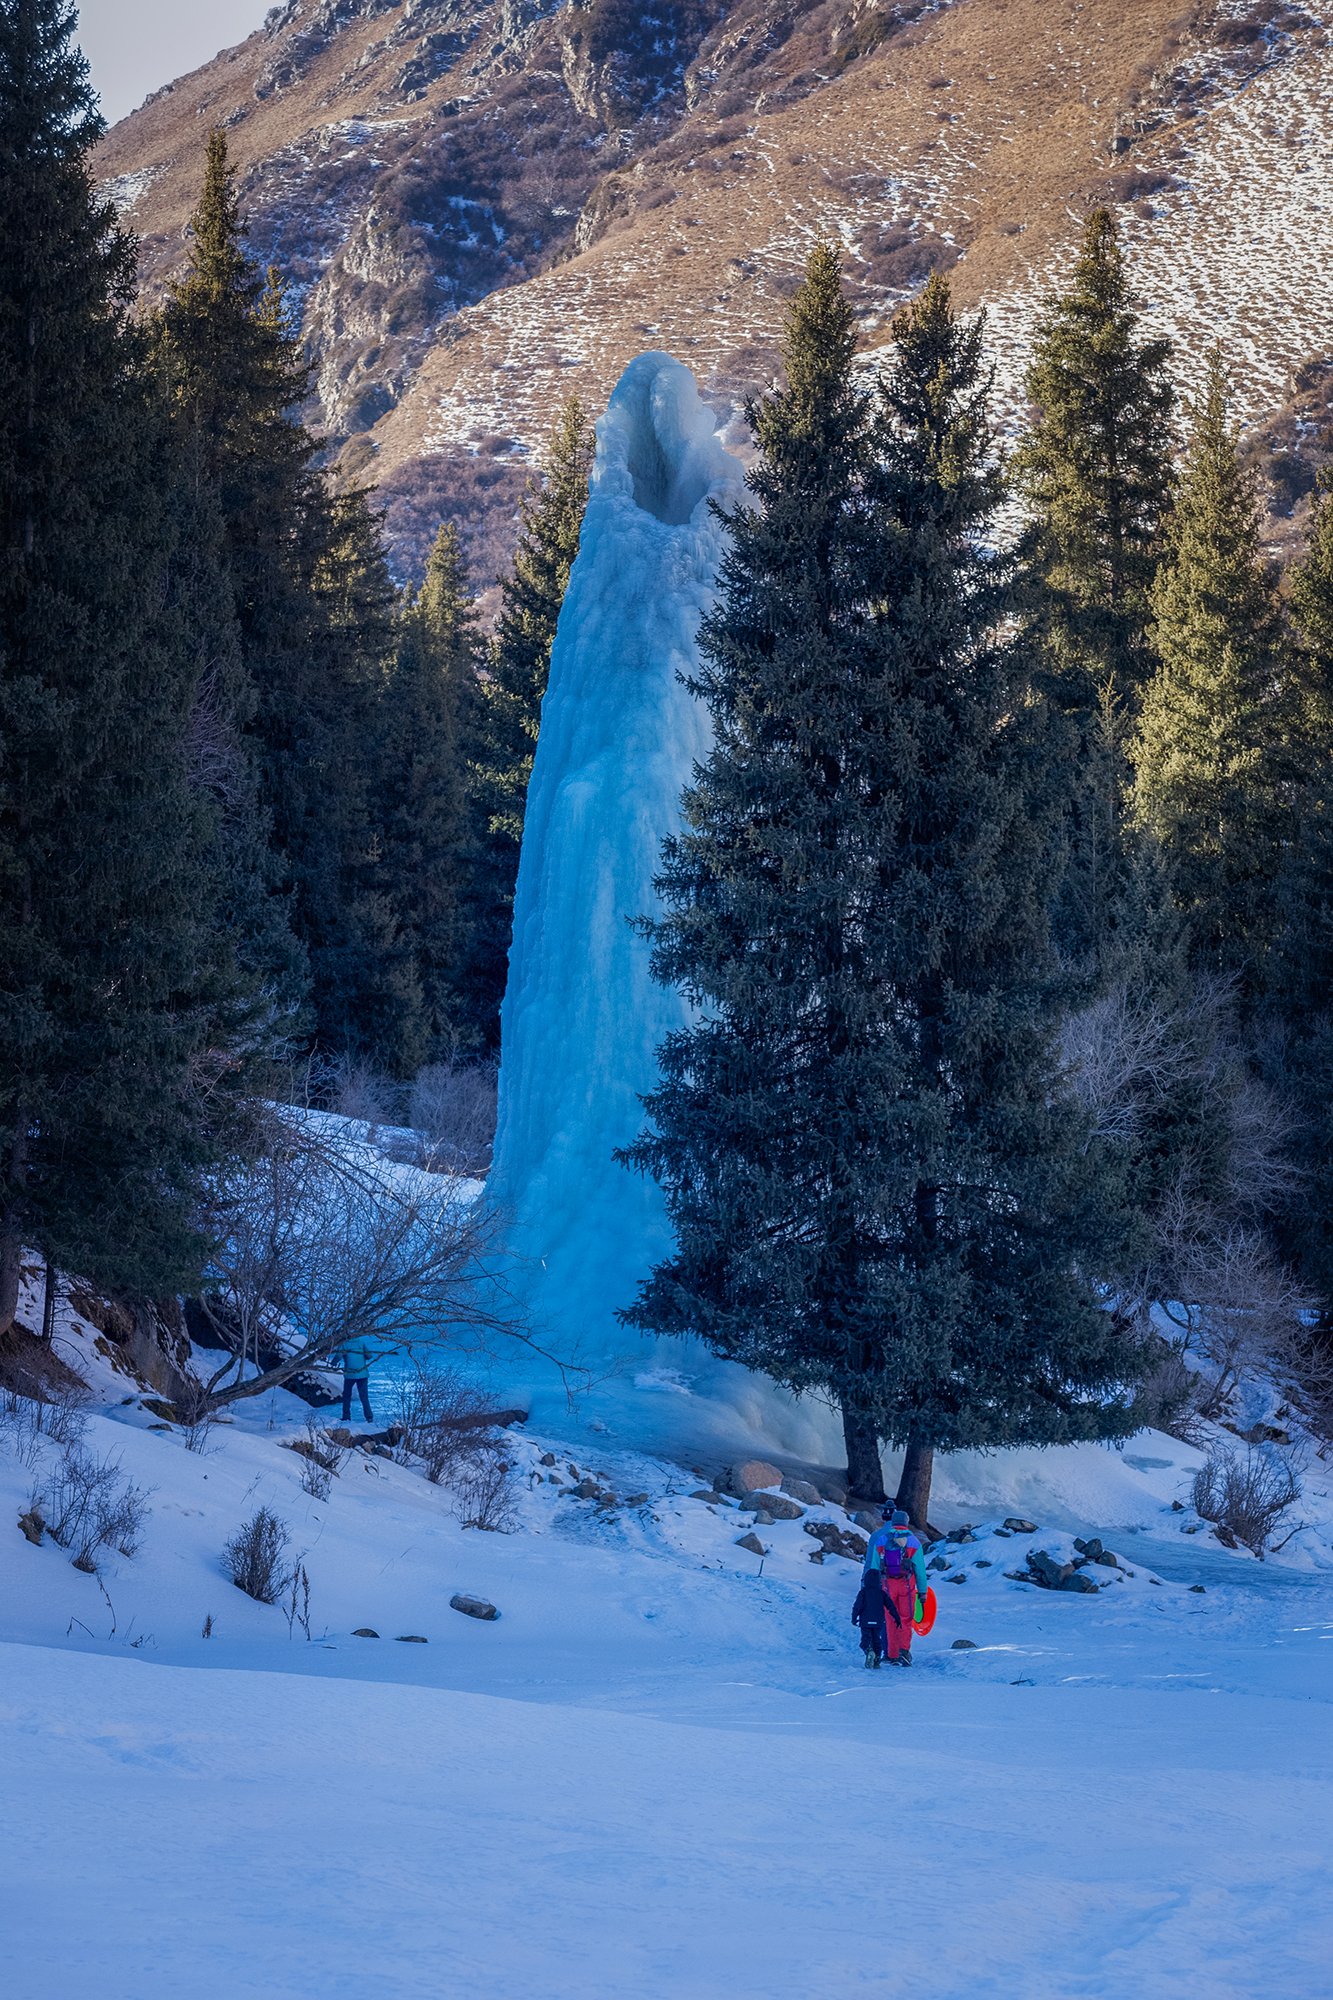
(937, 1562)
(775, 1506)
(1198, 1589)
(365, 1632)
(547, 1458)
(636, 1500)
(1046, 1571)
(753, 1475)
(963, 1646)
(1020, 1526)
(960, 1535)
(1263, 1434)
(836, 1541)
(763, 1519)
(752, 1543)
(1077, 1581)
(872, 1523)
(472, 1607)
(411, 1639)
(802, 1490)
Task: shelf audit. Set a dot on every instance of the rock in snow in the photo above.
(472, 1607)
(754, 1477)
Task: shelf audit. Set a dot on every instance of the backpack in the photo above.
(898, 1564)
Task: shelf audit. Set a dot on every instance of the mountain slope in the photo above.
(483, 208)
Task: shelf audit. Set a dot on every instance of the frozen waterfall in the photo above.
(582, 1018)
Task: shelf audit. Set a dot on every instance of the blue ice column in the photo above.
(619, 739)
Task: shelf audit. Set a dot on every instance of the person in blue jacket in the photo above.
(894, 1557)
(356, 1359)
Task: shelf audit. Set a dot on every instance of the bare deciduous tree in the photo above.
(318, 1243)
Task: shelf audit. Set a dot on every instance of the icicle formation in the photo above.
(619, 737)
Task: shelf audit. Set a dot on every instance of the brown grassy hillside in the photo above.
(483, 208)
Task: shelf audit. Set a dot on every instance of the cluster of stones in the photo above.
(587, 1486)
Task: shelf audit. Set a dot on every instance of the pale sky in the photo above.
(134, 46)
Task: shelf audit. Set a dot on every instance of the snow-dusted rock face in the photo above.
(620, 735)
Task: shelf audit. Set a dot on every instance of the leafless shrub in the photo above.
(321, 1459)
(484, 1490)
(30, 1422)
(355, 1091)
(298, 1611)
(253, 1557)
(1239, 1305)
(453, 1106)
(87, 1507)
(441, 1415)
(1249, 1497)
(196, 1416)
(1168, 1398)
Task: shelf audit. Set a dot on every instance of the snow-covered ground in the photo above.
(663, 1769)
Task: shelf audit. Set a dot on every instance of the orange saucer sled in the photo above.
(927, 1618)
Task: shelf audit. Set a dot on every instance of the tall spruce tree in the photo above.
(116, 985)
(879, 1192)
(517, 666)
(430, 737)
(313, 602)
(1211, 751)
(1095, 476)
(1296, 1041)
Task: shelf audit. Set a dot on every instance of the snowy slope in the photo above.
(663, 1769)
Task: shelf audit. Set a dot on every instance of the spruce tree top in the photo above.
(548, 542)
(1095, 473)
(1210, 750)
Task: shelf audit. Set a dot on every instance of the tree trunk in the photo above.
(11, 1222)
(914, 1487)
(11, 1246)
(864, 1475)
(49, 1302)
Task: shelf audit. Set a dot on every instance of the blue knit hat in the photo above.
(896, 1517)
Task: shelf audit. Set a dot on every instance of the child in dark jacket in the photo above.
(869, 1612)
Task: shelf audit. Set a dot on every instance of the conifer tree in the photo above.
(312, 599)
(116, 985)
(1210, 755)
(1095, 476)
(517, 667)
(430, 745)
(1296, 1016)
(879, 1192)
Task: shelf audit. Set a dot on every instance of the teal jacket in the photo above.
(356, 1359)
(904, 1539)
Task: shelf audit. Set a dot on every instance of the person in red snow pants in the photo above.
(899, 1596)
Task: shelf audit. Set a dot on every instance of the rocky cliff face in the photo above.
(480, 207)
